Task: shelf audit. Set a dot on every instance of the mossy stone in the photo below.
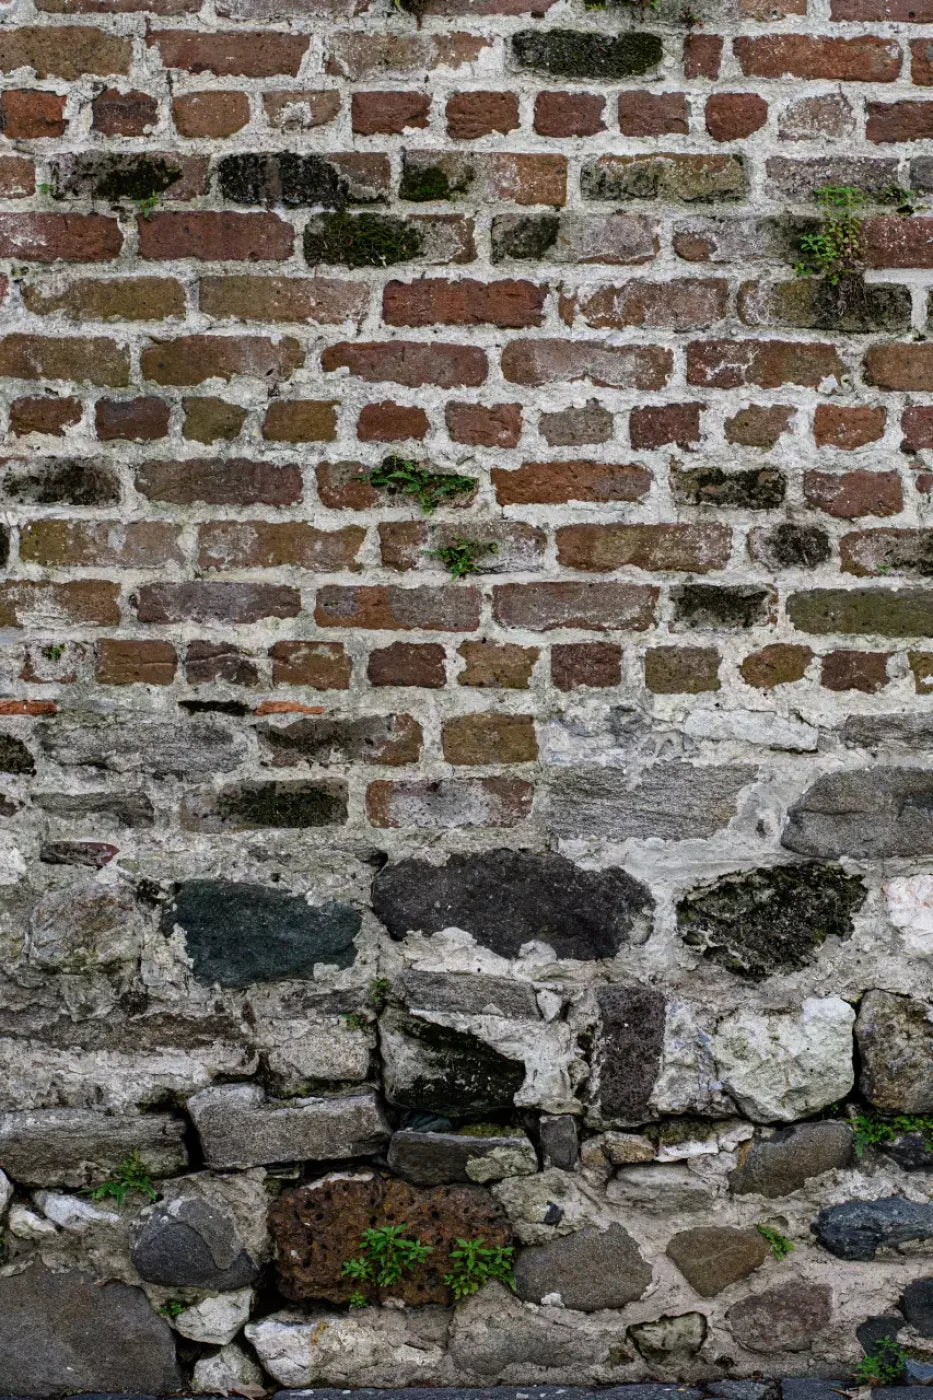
(361, 240)
(570, 53)
(436, 1069)
(523, 237)
(281, 804)
(757, 488)
(284, 178)
(15, 756)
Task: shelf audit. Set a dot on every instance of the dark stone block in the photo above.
(758, 488)
(870, 813)
(192, 1244)
(917, 1305)
(61, 482)
(15, 756)
(435, 1069)
(699, 605)
(858, 1229)
(628, 1050)
(878, 1329)
(282, 178)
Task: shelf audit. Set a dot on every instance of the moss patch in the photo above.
(524, 237)
(362, 240)
(568, 53)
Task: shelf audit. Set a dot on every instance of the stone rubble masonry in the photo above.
(466, 655)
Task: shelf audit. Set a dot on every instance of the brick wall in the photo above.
(453, 547)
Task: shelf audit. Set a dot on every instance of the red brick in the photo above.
(728, 364)
(862, 60)
(59, 237)
(496, 665)
(603, 548)
(103, 544)
(449, 803)
(894, 366)
(897, 241)
(215, 602)
(17, 177)
(131, 420)
(898, 11)
(300, 111)
(391, 422)
(389, 113)
(320, 665)
(879, 552)
(591, 606)
(489, 739)
(653, 114)
(917, 427)
(464, 302)
(921, 63)
(64, 51)
(420, 664)
(680, 303)
(474, 114)
(300, 420)
(88, 602)
(192, 359)
(86, 359)
(560, 114)
(493, 425)
(578, 664)
(702, 55)
(758, 425)
(323, 301)
(44, 414)
(210, 113)
(410, 362)
(545, 361)
(107, 298)
(899, 121)
(207, 663)
(220, 482)
(238, 53)
(29, 116)
(345, 486)
(731, 116)
(661, 424)
(847, 428)
(127, 662)
(778, 664)
(847, 495)
(116, 113)
(266, 544)
(866, 671)
(392, 608)
(681, 670)
(215, 237)
(556, 483)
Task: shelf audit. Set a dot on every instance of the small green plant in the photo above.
(473, 1263)
(872, 1131)
(355, 1021)
(131, 1176)
(146, 206)
(379, 989)
(834, 251)
(779, 1244)
(54, 651)
(357, 1300)
(173, 1308)
(386, 1255)
(884, 1365)
(462, 557)
(430, 489)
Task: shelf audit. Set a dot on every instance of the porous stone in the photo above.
(627, 1055)
(318, 1227)
(560, 1140)
(236, 934)
(712, 1257)
(917, 1305)
(760, 922)
(82, 927)
(869, 814)
(590, 1269)
(779, 1066)
(430, 1159)
(191, 1242)
(507, 898)
(858, 1229)
(894, 1035)
(239, 1128)
(778, 1165)
(79, 1147)
(782, 1319)
(52, 1326)
(434, 1068)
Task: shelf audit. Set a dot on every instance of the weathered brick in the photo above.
(781, 663)
(848, 495)
(207, 663)
(320, 665)
(917, 426)
(899, 121)
(713, 606)
(17, 177)
(866, 671)
(546, 361)
(586, 664)
(921, 665)
(575, 427)
(814, 118)
(489, 739)
(266, 544)
(211, 420)
(683, 548)
(888, 613)
(354, 55)
(250, 297)
(570, 53)
(897, 242)
(464, 302)
(758, 425)
(474, 114)
(449, 803)
(409, 362)
(219, 481)
(702, 55)
(391, 422)
(617, 239)
(389, 740)
(849, 305)
(393, 608)
(215, 237)
(300, 420)
(116, 113)
(847, 428)
(682, 670)
(520, 178)
(657, 426)
(592, 607)
(863, 60)
(389, 113)
(291, 110)
(89, 602)
(560, 114)
(728, 364)
(59, 237)
(44, 414)
(131, 420)
(129, 662)
(108, 299)
(751, 488)
(419, 664)
(653, 114)
(495, 425)
(556, 483)
(210, 114)
(28, 115)
(731, 116)
(192, 359)
(677, 304)
(137, 544)
(85, 359)
(235, 53)
(215, 602)
(78, 481)
(689, 179)
(496, 665)
(64, 51)
(872, 552)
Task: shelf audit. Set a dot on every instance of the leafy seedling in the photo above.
(462, 557)
(473, 1263)
(131, 1176)
(885, 1364)
(386, 1255)
(400, 477)
(779, 1244)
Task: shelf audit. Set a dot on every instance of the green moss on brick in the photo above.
(570, 53)
(139, 180)
(525, 237)
(361, 240)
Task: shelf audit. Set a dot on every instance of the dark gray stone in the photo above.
(469, 993)
(858, 1229)
(877, 1329)
(62, 1333)
(911, 1152)
(506, 898)
(430, 1159)
(778, 1165)
(743, 1390)
(812, 1388)
(237, 934)
(190, 1243)
(869, 813)
(590, 1269)
(435, 1069)
(239, 1128)
(560, 1141)
(895, 1041)
(703, 605)
(627, 1052)
(673, 801)
(79, 1147)
(760, 922)
(503, 1392)
(133, 809)
(888, 731)
(917, 1305)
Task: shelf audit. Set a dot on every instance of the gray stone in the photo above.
(889, 731)
(870, 813)
(911, 1152)
(627, 1051)
(778, 1165)
(508, 898)
(669, 1341)
(876, 1329)
(190, 1242)
(714, 1256)
(917, 1305)
(858, 1229)
(133, 809)
(743, 1390)
(812, 1388)
(201, 746)
(789, 1318)
(515, 1392)
(782, 1065)
(760, 922)
(55, 1330)
(590, 1269)
(560, 1141)
(84, 926)
(672, 801)
(78, 1147)
(435, 1069)
(429, 1159)
(468, 994)
(237, 934)
(238, 1128)
(895, 1041)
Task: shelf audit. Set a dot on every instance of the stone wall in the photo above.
(466, 659)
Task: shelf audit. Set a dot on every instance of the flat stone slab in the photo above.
(505, 1392)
